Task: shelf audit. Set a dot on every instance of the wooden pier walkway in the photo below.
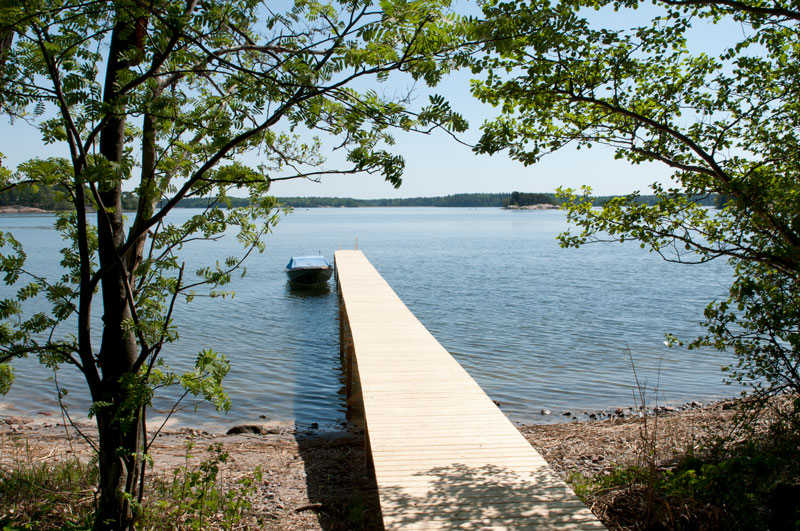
(444, 455)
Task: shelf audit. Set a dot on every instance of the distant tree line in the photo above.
(204, 202)
(455, 200)
(55, 198)
(47, 198)
(522, 199)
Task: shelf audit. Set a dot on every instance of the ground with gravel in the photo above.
(313, 482)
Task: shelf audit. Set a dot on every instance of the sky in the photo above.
(436, 165)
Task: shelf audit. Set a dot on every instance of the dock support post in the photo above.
(346, 347)
(342, 317)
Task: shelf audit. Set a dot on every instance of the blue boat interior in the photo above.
(304, 262)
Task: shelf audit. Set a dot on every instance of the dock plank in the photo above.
(444, 455)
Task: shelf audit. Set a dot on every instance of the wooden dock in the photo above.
(444, 455)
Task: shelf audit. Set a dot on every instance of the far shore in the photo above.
(19, 209)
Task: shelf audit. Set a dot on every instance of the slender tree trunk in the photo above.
(6, 40)
(119, 419)
(119, 422)
(148, 194)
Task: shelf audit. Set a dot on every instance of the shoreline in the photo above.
(50, 425)
(48, 419)
(311, 480)
(540, 206)
(20, 209)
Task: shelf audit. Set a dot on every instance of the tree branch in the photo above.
(776, 11)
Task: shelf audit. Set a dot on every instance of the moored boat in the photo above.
(308, 271)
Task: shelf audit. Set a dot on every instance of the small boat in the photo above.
(308, 271)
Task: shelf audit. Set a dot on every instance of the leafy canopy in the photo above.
(174, 100)
(199, 86)
(726, 123)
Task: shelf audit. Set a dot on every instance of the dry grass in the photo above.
(306, 484)
(702, 469)
(598, 447)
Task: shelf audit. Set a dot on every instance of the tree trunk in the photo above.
(6, 40)
(119, 418)
(119, 422)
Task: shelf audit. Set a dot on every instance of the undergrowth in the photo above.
(60, 495)
(47, 495)
(747, 483)
(193, 500)
(751, 483)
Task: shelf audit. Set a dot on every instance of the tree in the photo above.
(727, 124)
(166, 97)
(527, 199)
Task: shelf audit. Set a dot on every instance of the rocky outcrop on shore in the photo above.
(625, 412)
(19, 209)
(543, 206)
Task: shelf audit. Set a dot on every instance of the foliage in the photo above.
(708, 201)
(727, 124)
(45, 189)
(195, 500)
(167, 98)
(35, 495)
(725, 485)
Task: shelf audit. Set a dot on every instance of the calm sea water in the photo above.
(539, 327)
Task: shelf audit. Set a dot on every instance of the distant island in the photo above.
(24, 197)
(526, 201)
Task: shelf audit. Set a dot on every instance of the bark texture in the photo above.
(119, 419)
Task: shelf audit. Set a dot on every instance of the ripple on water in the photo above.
(537, 326)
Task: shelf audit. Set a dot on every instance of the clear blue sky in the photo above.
(437, 165)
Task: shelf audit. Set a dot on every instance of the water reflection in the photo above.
(305, 292)
(310, 316)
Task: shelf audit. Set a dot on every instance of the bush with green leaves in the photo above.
(194, 499)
